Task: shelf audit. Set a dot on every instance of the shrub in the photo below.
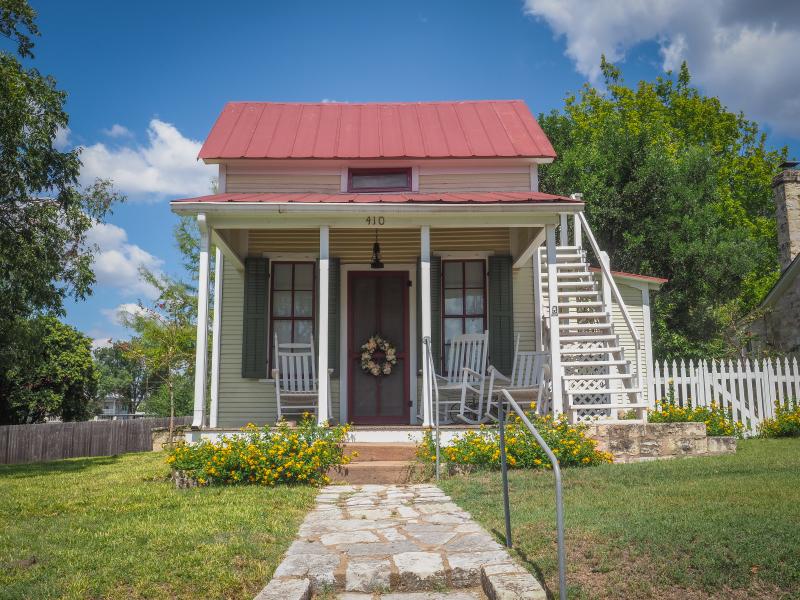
(718, 421)
(265, 456)
(785, 423)
(481, 448)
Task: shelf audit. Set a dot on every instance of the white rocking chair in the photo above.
(465, 377)
(295, 374)
(530, 376)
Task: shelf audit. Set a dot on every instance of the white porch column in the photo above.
(576, 222)
(201, 353)
(555, 344)
(606, 283)
(322, 334)
(425, 318)
(563, 232)
(215, 340)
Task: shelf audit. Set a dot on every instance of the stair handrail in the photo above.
(433, 397)
(608, 277)
(562, 554)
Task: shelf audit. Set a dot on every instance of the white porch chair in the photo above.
(530, 374)
(295, 375)
(465, 377)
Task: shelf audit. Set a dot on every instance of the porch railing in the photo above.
(501, 418)
(432, 388)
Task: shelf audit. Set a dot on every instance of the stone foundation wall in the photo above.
(634, 442)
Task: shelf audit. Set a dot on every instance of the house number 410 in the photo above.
(375, 221)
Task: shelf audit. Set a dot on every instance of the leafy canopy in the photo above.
(675, 186)
(44, 214)
(49, 373)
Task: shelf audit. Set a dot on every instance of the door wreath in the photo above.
(374, 367)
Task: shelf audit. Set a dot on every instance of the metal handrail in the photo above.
(433, 397)
(607, 274)
(562, 567)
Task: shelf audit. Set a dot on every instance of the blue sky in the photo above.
(147, 79)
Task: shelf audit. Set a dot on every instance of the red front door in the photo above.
(378, 304)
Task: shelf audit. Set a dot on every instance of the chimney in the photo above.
(786, 188)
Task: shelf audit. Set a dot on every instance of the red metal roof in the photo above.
(469, 129)
(659, 280)
(449, 197)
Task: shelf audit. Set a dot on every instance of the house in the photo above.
(334, 222)
(778, 330)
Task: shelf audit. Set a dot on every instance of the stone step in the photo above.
(375, 471)
(382, 451)
(458, 594)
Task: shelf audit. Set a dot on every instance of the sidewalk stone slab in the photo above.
(286, 589)
(367, 575)
(396, 542)
(420, 570)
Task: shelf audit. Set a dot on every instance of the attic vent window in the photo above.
(379, 180)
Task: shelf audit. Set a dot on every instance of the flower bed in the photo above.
(265, 456)
(718, 421)
(481, 448)
(786, 422)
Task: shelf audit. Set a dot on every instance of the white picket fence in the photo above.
(748, 388)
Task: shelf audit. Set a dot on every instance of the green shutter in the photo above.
(501, 313)
(254, 318)
(436, 311)
(333, 315)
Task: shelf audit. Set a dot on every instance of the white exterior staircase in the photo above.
(598, 381)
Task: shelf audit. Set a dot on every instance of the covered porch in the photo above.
(308, 274)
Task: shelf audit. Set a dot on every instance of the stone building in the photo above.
(779, 329)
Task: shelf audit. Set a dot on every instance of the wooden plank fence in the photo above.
(54, 441)
(747, 388)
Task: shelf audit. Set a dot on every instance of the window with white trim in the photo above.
(292, 293)
(463, 299)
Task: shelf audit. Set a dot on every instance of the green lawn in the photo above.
(718, 527)
(113, 527)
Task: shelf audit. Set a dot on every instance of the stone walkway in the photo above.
(402, 542)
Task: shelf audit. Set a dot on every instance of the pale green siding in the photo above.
(243, 401)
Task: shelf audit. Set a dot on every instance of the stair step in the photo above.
(562, 274)
(583, 315)
(380, 451)
(607, 350)
(588, 338)
(608, 406)
(623, 391)
(379, 471)
(584, 326)
(579, 294)
(593, 363)
(576, 284)
(599, 377)
(578, 304)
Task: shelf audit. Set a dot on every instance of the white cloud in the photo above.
(117, 315)
(102, 341)
(117, 262)
(166, 166)
(118, 131)
(61, 141)
(745, 52)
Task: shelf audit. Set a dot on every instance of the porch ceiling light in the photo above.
(376, 254)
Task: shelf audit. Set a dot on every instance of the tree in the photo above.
(44, 215)
(165, 339)
(122, 376)
(676, 186)
(52, 373)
